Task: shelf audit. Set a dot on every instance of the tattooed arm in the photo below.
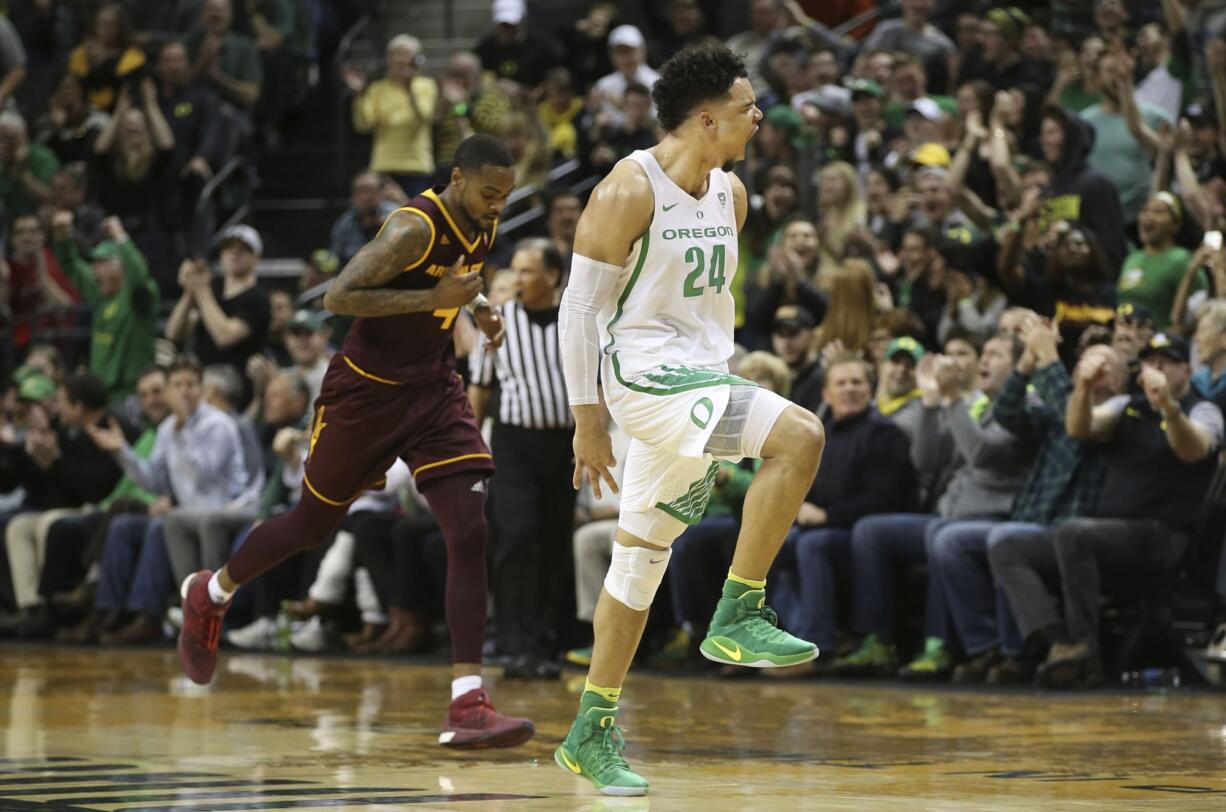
(359, 289)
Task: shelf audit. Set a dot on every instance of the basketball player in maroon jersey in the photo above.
(392, 391)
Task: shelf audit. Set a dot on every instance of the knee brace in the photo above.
(635, 574)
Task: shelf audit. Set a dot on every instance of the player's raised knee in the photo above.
(798, 434)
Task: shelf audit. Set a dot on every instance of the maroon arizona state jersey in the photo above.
(417, 347)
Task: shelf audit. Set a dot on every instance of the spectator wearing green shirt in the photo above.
(228, 61)
(116, 282)
(1151, 275)
(26, 169)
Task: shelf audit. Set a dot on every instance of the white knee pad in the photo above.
(635, 574)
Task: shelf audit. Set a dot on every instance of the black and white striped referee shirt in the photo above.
(527, 369)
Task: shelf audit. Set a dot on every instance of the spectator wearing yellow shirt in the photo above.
(399, 110)
(107, 59)
(559, 110)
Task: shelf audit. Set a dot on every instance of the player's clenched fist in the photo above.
(457, 289)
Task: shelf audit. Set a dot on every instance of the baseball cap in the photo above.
(865, 87)
(907, 345)
(927, 108)
(626, 35)
(245, 234)
(931, 154)
(792, 318)
(1132, 312)
(510, 12)
(36, 386)
(304, 319)
(830, 99)
(107, 249)
(1172, 346)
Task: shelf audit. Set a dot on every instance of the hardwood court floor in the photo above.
(106, 730)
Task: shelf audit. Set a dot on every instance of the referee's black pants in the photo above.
(534, 510)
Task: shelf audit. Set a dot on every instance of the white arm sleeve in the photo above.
(591, 284)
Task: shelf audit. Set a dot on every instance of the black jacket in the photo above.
(866, 469)
(83, 474)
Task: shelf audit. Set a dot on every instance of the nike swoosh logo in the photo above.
(654, 560)
(666, 208)
(570, 765)
(734, 653)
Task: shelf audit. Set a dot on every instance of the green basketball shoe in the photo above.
(593, 748)
(745, 631)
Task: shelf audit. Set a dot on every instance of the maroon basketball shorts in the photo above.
(364, 422)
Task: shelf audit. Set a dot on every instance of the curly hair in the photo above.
(693, 77)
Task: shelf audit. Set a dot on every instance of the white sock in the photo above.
(462, 685)
(216, 593)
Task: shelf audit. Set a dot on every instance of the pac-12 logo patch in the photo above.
(723, 199)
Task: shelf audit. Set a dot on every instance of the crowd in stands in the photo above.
(984, 246)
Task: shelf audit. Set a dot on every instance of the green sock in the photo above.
(736, 586)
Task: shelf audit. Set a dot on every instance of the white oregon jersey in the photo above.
(674, 306)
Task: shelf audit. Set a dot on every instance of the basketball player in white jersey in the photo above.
(649, 307)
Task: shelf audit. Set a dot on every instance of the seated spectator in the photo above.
(916, 278)
(368, 208)
(72, 123)
(108, 60)
(26, 169)
(790, 278)
(792, 341)
(116, 283)
(221, 386)
(61, 471)
(202, 539)
(131, 164)
(628, 53)
(513, 52)
(226, 319)
(398, 111)
(1159, 447)
(990, 462)
(71, 562)
(36, 282)
(225, 59)
(197, 463)
(1078, 193)
(307, 342)
(898, 396)
(1208, 381)
(1151, 275)
(866, 469)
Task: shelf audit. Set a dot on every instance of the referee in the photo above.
(533, 501)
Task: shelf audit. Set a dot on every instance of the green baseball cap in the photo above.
(107, 249)
(36, 387)
(865, 87)
(905, 344)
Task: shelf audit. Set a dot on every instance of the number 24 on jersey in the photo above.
(714, 270)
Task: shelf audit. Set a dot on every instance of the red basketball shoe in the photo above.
(201, 628)
(472, 723)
